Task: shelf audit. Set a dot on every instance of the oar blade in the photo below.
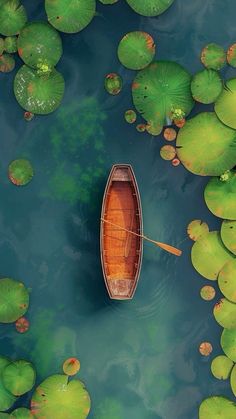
(170, 249)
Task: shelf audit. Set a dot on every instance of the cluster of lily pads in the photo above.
(56, 397)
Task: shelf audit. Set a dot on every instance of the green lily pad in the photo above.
(220, 196)
(22, 413)
(12, 17)
(207, 292)
(10, 44)
(56, 397)
(206, 86)
(136, 50)
(233, 380)
(227, 280)
(70, 16)
(228, 235)
(6, 399)
(113, 83)
(231, 55)
(14, 300)
(225, 313)
(38, 94)
(228, 343)
(130, 116)
(197, 229)
(4, 415)
(108, 1)
(160, 90)
(205, 146)
(2, 45)
(213, 56)
(225, 106)
(20, 172)
(150, 7)
(141, 127)
(167, 152)
(39, 44)
(209, 255)
(154, 128)
(7, 63)
(217, 407)
(19, 377)
(221, 367)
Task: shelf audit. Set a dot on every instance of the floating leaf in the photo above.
(205, 146)
(113, 83)
(228, 235)
(6, 399)
(21, 413)
(213, 56)
(170, 134)
(225, 313)
(7, 63)
(70, 16)
(167, 152)
(136, 50)
(130, 116)
(12, 17)
(22, 325)
(207, 292)
(209, 255)
(221, 367)
(220, 196)
(141, 127)
(20, 172)
(2, 45)
(150, 7)
(57, 398)
(233, 380)
(14, 300)
(19, 377)
(217, 407)
(175, 162)
(108, 1)
(71, 366)
(205, 348)
(206, 86)
(225, 106)
(39, 44)
(154, 128)
(228, 343)
(38, 94)
(227, 280)
(231, 55)
(10, 44)
(197, 229)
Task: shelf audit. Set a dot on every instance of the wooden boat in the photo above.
(121, 251)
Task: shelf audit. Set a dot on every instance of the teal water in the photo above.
(140, 358)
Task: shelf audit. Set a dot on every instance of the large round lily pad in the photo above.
(233, 380)
(225, 313)
(227, 280)
(19, 377)
(228, 235)
(70, 16)
(20, 172)
(217, 407)
(22, 413)
(205, 146)
(39, 44)
(12, 17)
(220, 195)
(38, 94)
(14, 300)
(6, 399)
(160, 90)
(221, 367)
(206, 86)
(136, 50)
(150, 7)
(228, 343)
(209, 255)
(225, 106)
(213, 56)
(56, 397)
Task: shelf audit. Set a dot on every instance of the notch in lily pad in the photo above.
(20, 172)
(197, 229)
(19, 377)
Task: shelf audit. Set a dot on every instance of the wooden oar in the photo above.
(164, 246)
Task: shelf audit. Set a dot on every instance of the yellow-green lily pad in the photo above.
(228, 343)
(227, 280)
(225, 313)
(225, 106)
(228, 235)
(6, 398)
(19, 377)
(14, 300)
(233, 380)
(197, 229)
(136, 50)
(217, 407)
(221, 367)
(220, 195)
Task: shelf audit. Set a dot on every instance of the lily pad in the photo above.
(228, 343)
(225, 313)
(227, 280)
(221, 367)
(10, 44)
(71, 366)
(213, 56)
(219, 196)
(108, 1)
(39, 44)
(6, 399)
(22, 413)
(14, 300)
(160, 90)
(130, 116)
(19, 377)
(167, 152)
(207, 292)
(56, 397)
(209, 255)
(22, 325)
(7, 63)
(136, 50)
(228, 235)
(150, 7)
(170, 134)
(20, 172)
(113, 83)
(197, 229)
(217, 407)
(2, 46)
(233, 380)
(225, 106)
(231, 55)
(38, 94)
(205, 348)
(141, 127)
(206, 86)
(154, 128)
(12, 17)
(175, 162)
(205, 146)
(70, 16)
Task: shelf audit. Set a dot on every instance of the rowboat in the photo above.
(121, 228)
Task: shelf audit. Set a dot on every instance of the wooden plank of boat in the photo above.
(121, 251)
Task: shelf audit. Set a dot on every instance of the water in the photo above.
(140, 358)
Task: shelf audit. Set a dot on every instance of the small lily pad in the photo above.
(207, 292)
(217, 407)
(71, 366)
(206, 86)
(130, 116)
(10, 44)
(14, 300)
(141, 127)
(220, 195)
(150, 7)
(20, 172)
(154, 128)
(228, 235)
(227, 280)
(209, 255)
(22, 413)
(167, 152)
(225, 313)
(6, 399)
(19, 377)
(197, 229)
(113, 83)
(7, 63)
(228, 343)
(22, 325)
(213, 56)
(221, 367)
(231, 55)
(12, 17)
(175, 162)
(136, 50)
(225, 106)
(2, 45)
(170, 134)
(205, 348)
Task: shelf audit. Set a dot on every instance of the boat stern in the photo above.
(121, 289)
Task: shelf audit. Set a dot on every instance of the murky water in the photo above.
(139, 359)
